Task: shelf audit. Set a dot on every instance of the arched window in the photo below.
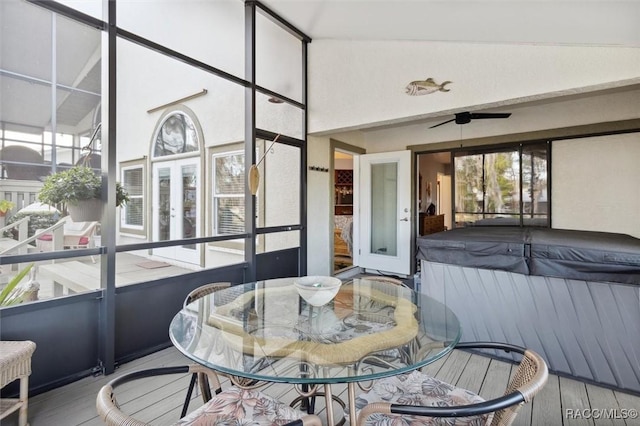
(176, 134)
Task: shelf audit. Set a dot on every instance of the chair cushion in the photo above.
(83, 241)
(417, 388)
(241, 407)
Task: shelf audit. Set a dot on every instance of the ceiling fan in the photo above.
(466, 117)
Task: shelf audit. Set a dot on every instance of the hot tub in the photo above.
(572, 296)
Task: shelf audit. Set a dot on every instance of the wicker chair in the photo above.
(204, 290)
(200, 378)
(226, 407)
(383, 403)
(76, 235)
(15, 364)
(384, 279)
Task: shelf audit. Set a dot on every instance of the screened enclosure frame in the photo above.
(111, 33)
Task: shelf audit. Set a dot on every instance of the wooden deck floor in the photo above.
(159, 400)
(83, 274)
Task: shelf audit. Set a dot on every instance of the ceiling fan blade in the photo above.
(480, 115)
(444, 122)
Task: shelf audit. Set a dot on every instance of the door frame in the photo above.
(406, 189)
(176, 164)
(355, 151)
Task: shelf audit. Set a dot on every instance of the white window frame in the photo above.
(214, 196)
(123, 208)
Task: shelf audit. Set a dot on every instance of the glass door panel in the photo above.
(384, 203)
(164, 204)
(176, 201)
(534, 181)
(469, 198)
(189, 204)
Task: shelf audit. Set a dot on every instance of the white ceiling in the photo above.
(25, 53)
(604, 22)
(566, 22)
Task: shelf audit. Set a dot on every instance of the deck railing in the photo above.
(20, 192)
(24, 242)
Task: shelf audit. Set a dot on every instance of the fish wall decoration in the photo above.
(424, 87)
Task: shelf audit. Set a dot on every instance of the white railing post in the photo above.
(23, 230)
(57, 239)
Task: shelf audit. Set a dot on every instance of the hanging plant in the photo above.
(79, 183)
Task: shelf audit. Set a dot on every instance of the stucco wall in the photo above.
(355, 83)
(147, 79)
(214, 34)
(320, 228)
(571, 111)
(596, 184)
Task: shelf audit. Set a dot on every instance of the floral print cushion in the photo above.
(240, 407)
(417, 388)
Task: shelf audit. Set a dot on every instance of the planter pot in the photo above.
(86, 211)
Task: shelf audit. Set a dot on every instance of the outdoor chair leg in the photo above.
(192, 385)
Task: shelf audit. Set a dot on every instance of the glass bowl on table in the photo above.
(317, 290)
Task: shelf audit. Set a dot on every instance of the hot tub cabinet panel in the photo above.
(588, 328)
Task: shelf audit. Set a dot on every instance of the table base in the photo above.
(329, 397)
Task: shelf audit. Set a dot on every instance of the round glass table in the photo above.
(266, 332)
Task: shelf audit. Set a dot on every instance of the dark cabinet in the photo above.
(431, 224)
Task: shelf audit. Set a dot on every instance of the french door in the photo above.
(176, 207)
(384, 212)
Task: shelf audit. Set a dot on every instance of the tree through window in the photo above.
(502, 186)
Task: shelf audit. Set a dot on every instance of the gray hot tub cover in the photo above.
(583, 255)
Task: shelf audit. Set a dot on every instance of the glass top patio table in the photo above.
(265, 331)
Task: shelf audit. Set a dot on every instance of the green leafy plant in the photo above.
(12, 294)
(6, 205)
(74, 185)
(37, 220)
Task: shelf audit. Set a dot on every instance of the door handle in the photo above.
(406, 219)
